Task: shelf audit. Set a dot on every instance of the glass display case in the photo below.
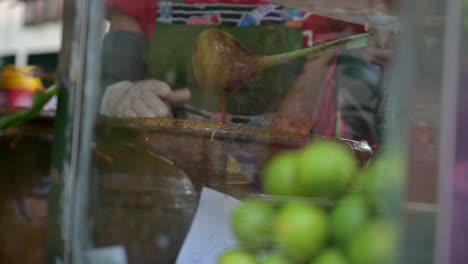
(250, 131)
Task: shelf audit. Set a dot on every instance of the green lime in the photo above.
(330, 256)
(252, 221)
(280, 175)
(347, 218)
(325, 168)
(237, 256)
(375, 244)
(382, 184)
(274, 258)
(300, 230)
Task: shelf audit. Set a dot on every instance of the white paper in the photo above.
(210, 234)
(106, 255)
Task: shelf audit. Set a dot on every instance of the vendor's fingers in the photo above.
(162, 109)
(123, 85)
(179, 97)
(141, 109)
(113, 96)
(160, 88)
(149, 98)
(122, 106)
(124, 110)
(128, 112)
(156, 104)
(138, 104)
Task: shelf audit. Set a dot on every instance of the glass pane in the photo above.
(459, 212)
(195, 131)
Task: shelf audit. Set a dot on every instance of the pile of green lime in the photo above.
(357, 227)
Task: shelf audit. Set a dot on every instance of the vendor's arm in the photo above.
(301, 110)
(297, 110)
(129, 92)
(313, 89)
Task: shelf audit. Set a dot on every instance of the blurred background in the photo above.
(30, 34)
(30, 40)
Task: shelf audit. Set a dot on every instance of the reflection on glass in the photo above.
(330, 127)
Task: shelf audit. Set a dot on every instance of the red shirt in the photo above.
(143, 10)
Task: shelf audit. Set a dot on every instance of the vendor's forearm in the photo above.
(297, 110)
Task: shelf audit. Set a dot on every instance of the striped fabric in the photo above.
(227, 14)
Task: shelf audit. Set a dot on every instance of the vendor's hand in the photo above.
(380, 49)
(149, 98)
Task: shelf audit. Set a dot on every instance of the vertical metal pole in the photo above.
(80, 69)
(91, 91)
(74, 86)
(448, 125)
